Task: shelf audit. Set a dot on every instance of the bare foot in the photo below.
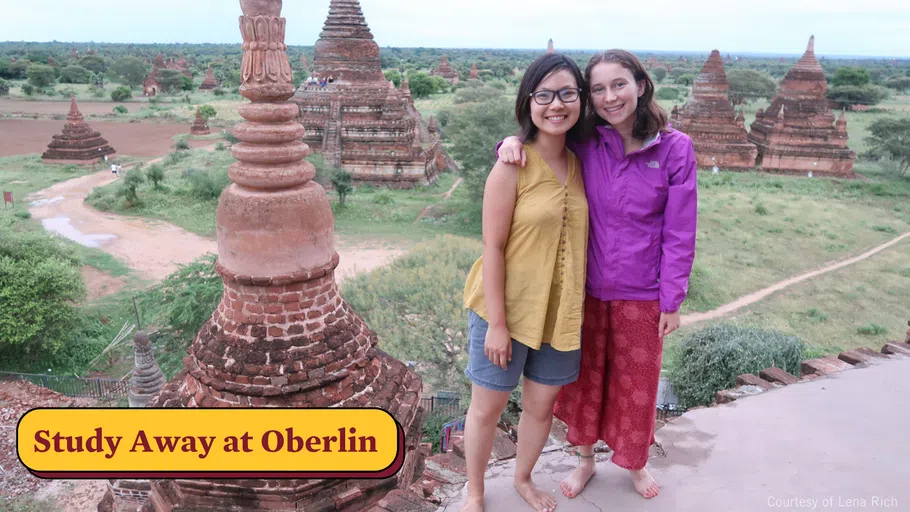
(539, 500)
(575, 483)
(644, 483)
(473, 505)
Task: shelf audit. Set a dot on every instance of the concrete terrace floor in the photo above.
(838, 442)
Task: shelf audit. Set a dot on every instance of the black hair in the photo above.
(537, 72)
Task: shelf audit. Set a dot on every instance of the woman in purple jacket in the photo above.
(639, 177)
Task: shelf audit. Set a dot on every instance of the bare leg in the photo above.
(533, 429)
(575, 483)
(644, 483)
(483, 415)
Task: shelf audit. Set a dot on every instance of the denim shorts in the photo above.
(546, 366)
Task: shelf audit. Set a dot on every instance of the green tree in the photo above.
(849, 75)
(130, 70)
(686, 80)
(41, 76)
(155, 174)
(134, 177)
(440, 84)
(41, 284)
(394, 76)
(898, 83)
(181, 304)
(659, 74)
(748, 84)
(121, 93)
(94, 63)
(170, 79)
(890, 136)
(208, 111)
(18, 70)
(422, 85)
(474, 129)
(74, 75)
(4, 87)
(187, 84)
(28, 89)
(343, 183)
(849, 95)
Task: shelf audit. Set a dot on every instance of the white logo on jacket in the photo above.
(654, 164)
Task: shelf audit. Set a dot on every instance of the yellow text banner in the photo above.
(210, 443)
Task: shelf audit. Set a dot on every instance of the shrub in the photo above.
(383, 197)
(207, 185)
(4, 87)
(230, 138)
(24, 215)
(186, 83)
(40, 285)
(761, 209)
(415, 306)
(134, 177)
(208, 112)
(342, 181)
(871, 330)
(121, 93)
(120, 109)
(155, 174)
(182, 145)
(668, 93)
(28, 89)
(180, 305)
(219, 146)
(432, 429)
(709, 360)
(219, 91)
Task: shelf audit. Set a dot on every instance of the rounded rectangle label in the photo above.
(210, 443)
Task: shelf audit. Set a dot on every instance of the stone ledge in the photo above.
(824, 366)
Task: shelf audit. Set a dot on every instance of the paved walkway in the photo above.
(843, 438)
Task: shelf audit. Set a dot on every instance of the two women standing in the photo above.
(529, 295)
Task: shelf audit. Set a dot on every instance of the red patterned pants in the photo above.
(615, 396)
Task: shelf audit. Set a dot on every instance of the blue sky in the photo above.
(841, 27)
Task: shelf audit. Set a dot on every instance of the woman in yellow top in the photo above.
(527, 290)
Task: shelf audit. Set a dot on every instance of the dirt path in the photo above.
(752, 298)
(445, 197)
(151, 247)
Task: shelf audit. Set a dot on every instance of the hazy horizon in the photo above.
(874, 28)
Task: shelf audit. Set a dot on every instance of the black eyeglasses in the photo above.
(546, 96)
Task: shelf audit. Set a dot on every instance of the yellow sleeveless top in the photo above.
(545, 258)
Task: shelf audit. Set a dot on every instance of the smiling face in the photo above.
(558, 117)
(615, 94)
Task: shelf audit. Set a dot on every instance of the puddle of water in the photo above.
(47, 202)
(63, 227)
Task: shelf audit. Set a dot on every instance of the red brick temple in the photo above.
(797, 132)
(709, 119)
(445, 70)
(358, 121)
(282, 335)
(78, 143)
